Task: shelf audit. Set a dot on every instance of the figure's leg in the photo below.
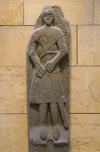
(43, 108)
(54, 114)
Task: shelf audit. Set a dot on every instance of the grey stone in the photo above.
(48, 82)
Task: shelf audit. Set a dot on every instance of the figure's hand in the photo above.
(49, 66)
(41, 72)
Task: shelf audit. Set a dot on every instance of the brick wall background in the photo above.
(17, 18)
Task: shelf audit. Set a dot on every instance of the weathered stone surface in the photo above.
(13, 42)
(13, 133)
(47, 80)
(75, 11)
(85, 90)
(96, 11)
(11, 12)
(85, 132)
(13, 90)
(88, 45)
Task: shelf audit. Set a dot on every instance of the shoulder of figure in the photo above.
(57, 32)
(36, 33)
(57, 29)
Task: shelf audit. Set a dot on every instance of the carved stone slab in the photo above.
(48, 82)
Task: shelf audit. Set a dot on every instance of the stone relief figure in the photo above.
(46, 49)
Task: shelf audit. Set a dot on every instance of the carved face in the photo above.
(48, 17)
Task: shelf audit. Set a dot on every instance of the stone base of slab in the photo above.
(36, 140)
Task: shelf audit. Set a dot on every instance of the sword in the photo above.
(61, 106)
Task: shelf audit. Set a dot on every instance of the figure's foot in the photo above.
(43, 133)
(56, 132)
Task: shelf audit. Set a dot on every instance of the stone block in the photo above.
(85, 90)
(88, 45)
(13, 43)
(13, 90)
(96, 11)
(73, 47)
(13, 133)
(11, 12)
(85, 132)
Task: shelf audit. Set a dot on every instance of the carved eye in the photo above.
(50, 15)
(45, 15)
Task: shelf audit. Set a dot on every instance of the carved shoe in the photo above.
(56, 132)
(43, 133)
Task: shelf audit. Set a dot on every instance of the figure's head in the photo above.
(48, 15)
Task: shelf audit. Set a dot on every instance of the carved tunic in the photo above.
(49, 43)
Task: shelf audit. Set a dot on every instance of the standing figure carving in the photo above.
(46, 50)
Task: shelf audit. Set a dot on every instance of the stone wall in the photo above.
(17, 18)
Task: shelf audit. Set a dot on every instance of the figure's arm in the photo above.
(32, 47)
(63, 50)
